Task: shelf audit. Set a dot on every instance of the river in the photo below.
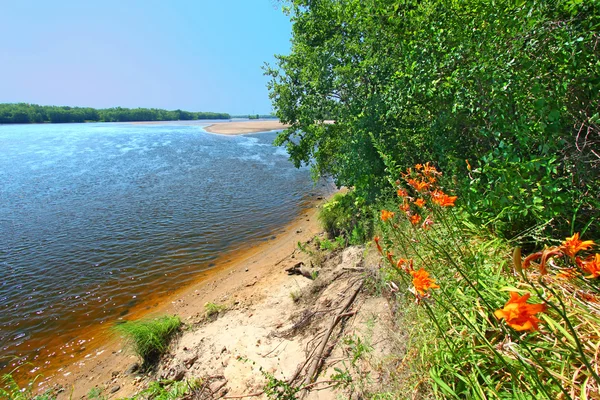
(98, 219)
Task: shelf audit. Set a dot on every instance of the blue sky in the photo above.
(193, 55)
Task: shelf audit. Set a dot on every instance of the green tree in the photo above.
(513, 88)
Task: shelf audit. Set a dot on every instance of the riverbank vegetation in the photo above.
(503, 99)
(491, 266)
(149, 339)
(24, 113)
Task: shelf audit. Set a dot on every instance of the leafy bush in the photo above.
(150, 338)
(346, 215)
(512, 88)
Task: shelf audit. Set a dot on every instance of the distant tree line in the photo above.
(23, 113)
(256, 116)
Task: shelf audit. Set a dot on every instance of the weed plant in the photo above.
(212, 309)
(168, 390)
(503, 326)
(11, 390)
(150, 338)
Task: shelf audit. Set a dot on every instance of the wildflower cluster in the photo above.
(538, 325)
(419, 188)
(421, 280)
(519, 315)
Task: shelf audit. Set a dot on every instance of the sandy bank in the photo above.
(297, 328)
(241, 276)
(238, 128)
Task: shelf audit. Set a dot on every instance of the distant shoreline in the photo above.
(242, 127)
(25, 113)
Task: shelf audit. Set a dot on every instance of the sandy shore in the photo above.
(234, 277)
(239, 128)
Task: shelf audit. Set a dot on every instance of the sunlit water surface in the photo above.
(95, 219)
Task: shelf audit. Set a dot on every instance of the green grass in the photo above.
(295, 295)
(168, 390)
(475, 355)
(213, 309)
(95, 393)
(150, 338)
(10, 389)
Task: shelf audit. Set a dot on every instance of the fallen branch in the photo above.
(241, 396)
(286, 257)
(318, 358)
(218, 388)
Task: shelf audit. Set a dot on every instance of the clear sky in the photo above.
(195, 55)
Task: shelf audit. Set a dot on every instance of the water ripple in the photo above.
(98, 218)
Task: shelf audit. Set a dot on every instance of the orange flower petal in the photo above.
(415, 219)
(519, 314)
(385, 215)
(592, 266)
(572, 245)
(422, 282)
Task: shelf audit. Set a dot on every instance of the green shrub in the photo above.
(150, 338)
(511, 87)
(346, 215)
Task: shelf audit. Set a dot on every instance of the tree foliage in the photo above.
(511, 86)
(23, 113)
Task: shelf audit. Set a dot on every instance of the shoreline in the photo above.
(243, 127)
(235, 271)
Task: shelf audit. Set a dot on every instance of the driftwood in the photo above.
(318, 357)
(299, 269)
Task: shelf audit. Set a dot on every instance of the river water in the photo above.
(96, 219)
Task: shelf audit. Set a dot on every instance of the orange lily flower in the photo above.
(430, 169)
(415, 219)
(591, 265)
(404, 264)
(419, 167)
(419, 203)
(405, 207)
(385, 215)
(418, 185)
(573, 245)
(442, 199)
(520, 315)
(376, 239)
(402, 193)
(422, 282)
